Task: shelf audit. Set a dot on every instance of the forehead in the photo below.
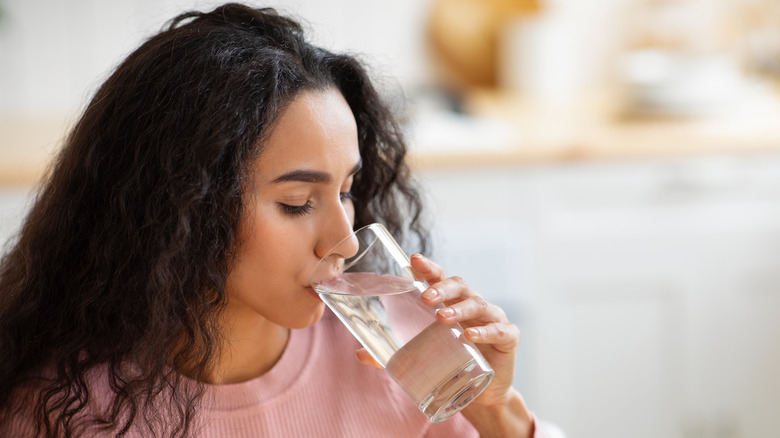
(316, 131)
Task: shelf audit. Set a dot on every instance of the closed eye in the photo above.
(296, 210)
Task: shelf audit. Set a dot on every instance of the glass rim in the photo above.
(380, 233)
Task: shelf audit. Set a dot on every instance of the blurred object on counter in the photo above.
(701, 26)
(563, 53)
(683, 58)
(439, 126)
(674, 83)
(464, 36)
(760, 22)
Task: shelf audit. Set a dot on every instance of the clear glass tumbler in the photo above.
(367, 281)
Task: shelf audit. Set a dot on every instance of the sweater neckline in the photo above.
(288, 370)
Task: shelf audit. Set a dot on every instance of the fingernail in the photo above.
(473, 333)
(430, 294)
(418, 256)
(447, 312)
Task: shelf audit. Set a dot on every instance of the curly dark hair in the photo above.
(124, 255)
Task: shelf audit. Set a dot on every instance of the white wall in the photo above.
(54, 53)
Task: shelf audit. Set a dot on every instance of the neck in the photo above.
(251, 346)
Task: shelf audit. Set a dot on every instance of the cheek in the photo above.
(268, 245)
(263, 263)
(260, 245)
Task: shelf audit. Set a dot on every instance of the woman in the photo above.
(158, 286)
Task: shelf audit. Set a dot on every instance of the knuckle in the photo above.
(458, 281)
(515, 333)
(480, 302)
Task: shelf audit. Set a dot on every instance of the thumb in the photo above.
(365, 358)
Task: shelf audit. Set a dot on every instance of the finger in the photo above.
(367, 359)
(426, 269)
(474, 308)
(448, 291)
(503, 336)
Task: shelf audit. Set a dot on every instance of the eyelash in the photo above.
(300, 210)
(297, 210)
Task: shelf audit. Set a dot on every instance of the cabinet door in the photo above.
(653, 306)
(647, 293)
(606, 358)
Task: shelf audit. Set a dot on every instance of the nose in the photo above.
(335, 243)
(335, 234)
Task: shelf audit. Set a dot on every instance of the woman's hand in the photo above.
(484, 323)
(500, 410)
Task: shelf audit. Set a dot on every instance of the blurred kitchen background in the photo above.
(606, 170)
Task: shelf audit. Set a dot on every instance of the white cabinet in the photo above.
(648, 293)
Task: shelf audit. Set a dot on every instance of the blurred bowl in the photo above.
(667, 82)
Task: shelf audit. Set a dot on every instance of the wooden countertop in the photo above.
(591, 129)
(28, 144)
(598, 129)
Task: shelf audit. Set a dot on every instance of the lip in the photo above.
(311, 291)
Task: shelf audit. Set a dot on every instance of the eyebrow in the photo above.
(313, 176)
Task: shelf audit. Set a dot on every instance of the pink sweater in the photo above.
(316, 389)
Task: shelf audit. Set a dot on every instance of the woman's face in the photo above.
(298, 208)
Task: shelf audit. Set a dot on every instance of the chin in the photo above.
(314, 315)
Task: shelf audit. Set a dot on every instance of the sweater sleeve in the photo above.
(459, 426)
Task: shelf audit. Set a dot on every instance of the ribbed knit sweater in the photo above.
(316, 389)
(319, 389)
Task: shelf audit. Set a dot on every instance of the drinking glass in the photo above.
(368, 282)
